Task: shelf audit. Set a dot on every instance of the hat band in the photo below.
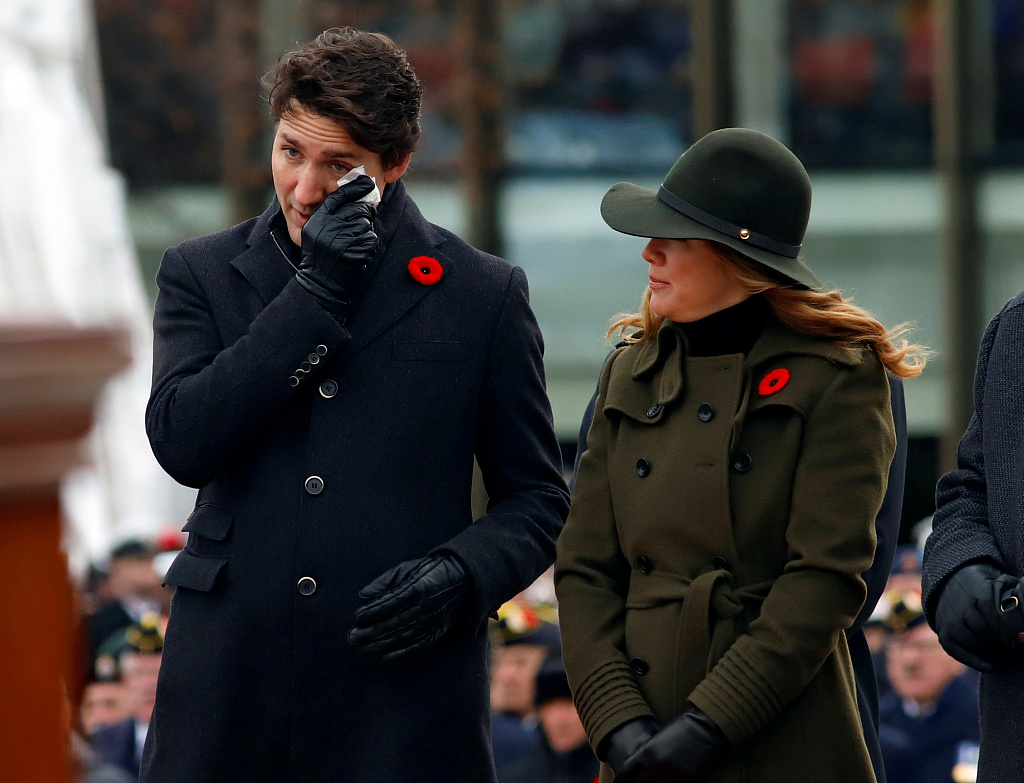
(725, 227)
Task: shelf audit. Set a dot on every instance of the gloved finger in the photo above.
(390, 579)
(383, 624)
(412, 650)
(964, 653)
(347, 193)
(373, 643)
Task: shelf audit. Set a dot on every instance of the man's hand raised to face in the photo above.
(337, 244)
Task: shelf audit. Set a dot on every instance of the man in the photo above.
(974, 557)
(523, 637)
(929, 722)
(133, 587)
(325, 375)
(562, 753)
(135, 653)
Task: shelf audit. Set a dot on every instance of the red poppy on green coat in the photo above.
(425, 269)
(773, 382)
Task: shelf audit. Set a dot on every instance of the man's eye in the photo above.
(291, 152)
(341, 168)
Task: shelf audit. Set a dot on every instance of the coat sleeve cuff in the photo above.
(607, 698)
(737, 698)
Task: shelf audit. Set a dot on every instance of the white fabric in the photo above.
(66, 255)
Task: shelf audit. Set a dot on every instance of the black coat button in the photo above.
(313, 358)
(328, 389)
(741, 462)
(720, 563)
(705, 412)
(314, 485)
(321, 350)
(644, 564)
(305, 366)
(639, 666)
(293, 381)
(643, 468)
(306, 585)
(653, 411)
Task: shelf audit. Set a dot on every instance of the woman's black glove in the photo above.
(626, 740)
(337, 243)
(410, 607)
(968, 618)
(683, 751)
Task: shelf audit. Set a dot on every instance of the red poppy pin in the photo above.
(773, 382)
(425, 270)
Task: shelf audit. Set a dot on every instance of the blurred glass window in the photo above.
(860, 82)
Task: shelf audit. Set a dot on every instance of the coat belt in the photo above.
(707, 627)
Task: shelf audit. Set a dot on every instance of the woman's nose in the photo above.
(650, 253)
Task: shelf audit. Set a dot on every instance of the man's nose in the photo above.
(312, 187)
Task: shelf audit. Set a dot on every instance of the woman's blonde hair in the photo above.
(825, 314)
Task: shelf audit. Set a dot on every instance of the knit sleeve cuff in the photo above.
(607, 698)
(737, 697)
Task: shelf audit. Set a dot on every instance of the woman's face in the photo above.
(689, 280)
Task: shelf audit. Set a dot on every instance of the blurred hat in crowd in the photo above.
(906, 560)
(132, 548)
(900, 609)
(145, 636)
(524, 623)
(552, 682)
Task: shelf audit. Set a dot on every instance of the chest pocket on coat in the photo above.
(438, 351)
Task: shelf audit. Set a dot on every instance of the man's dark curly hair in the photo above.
(361, 80)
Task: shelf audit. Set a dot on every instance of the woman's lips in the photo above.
(656, 284)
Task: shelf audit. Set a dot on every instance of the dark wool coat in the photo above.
(979, 515)
(361, 462)
(715, 548)
(887, 529)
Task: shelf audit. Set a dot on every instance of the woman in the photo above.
(724, 511)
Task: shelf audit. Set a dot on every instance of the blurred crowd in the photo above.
(928, 706)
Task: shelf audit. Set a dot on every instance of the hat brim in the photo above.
(631, 209)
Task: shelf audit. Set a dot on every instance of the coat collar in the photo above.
(388, 290)
(776, 341)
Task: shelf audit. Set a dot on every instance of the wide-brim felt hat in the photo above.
(735, 186)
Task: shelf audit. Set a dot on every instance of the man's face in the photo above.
(311, 154)
(134, 577)
(104, 704)
(515, 674)
(919, 669)
(139, 672)
(561, 724)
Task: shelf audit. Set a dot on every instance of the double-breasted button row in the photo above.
(314, 485)
(306, 586)
(307, 366)
(644, 564)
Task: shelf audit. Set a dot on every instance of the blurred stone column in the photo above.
(959, 129)
(50, 380)
(711, 72)
(478, 41)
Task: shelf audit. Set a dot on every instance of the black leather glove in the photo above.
(410, 607)
(626, 740)
(683, 751)
(337, 243)
(968, 618)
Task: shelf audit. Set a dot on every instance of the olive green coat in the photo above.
(712, 555)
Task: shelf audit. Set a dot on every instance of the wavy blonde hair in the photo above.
(826, 314)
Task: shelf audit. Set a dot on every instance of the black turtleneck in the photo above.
(732, 330)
